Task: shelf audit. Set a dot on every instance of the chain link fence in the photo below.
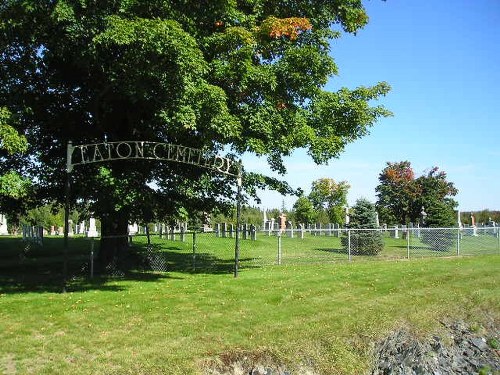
(41, 262)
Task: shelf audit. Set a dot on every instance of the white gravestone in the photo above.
(81, 228)
(3, 225)
(133, 229)
(92, 232)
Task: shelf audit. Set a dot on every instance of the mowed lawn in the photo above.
(328, 316)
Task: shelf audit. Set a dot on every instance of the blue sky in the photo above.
(442, 59)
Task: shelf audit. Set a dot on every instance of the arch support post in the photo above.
(239, 182)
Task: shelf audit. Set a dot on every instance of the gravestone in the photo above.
(270, 226)
(396, 232)
(253, 233)
(3, 225)
(92, 232)
(282, 222)
(317, 229)
(289, 229)
(337, 230)
(133, 229)
(81, 228)
(183, 233)
(70, 228)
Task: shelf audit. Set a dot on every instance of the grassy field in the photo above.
(326, 315)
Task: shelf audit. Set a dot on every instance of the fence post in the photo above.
(349, 244)
(408, 243)
(498, 238)
(183, 233)
(92, 258)
(194, 250)
(279, 247)
(458, 241)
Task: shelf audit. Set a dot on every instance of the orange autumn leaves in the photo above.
(285, 27)
(276, 28)
(399, 175)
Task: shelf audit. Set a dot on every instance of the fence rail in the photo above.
(196, 251)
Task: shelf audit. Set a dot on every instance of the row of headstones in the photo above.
(79, 229)
(225, 230)
(158, 228)
(271, 227)
(90, 231)
(466, 230)
(331, 229)
(33, 234)
(173, 233)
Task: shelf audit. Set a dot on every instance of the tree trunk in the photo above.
(114, 238)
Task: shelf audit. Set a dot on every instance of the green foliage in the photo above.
(402, 197)
(435, 194)
(47, 215)
(396, 193)
(304, 211)
(10, 139)
(223, 76)
(368, 242)
(331, 197)
(12, 185)
(483, 216)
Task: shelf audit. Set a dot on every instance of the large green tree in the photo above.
(227, 76)
(331, 197)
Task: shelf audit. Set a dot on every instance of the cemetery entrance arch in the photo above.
(123, 150)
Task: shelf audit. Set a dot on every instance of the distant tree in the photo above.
(401, 196)
(331, 197)
(363, 215)
(304, 211)
(483, 216)
(435, 196)
(396, 192)
(252, 215)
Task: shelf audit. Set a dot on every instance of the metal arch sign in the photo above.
(123, 150)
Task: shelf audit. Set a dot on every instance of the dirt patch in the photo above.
(260, 362)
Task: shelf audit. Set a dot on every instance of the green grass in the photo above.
(328, 315)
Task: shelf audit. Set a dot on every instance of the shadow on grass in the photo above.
(201, 262)
(29, 268)
(332, 251)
